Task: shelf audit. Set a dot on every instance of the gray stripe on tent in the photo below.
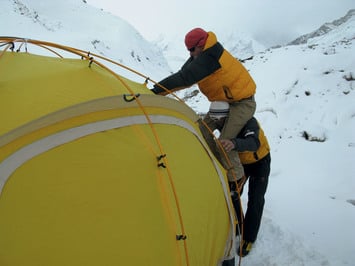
(15, 160)
(97, 105)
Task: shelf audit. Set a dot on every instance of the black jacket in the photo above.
(194, 70)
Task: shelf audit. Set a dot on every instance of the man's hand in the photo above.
(227, 144)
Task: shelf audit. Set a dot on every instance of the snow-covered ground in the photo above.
(305, 103)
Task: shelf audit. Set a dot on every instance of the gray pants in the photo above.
(239, 113)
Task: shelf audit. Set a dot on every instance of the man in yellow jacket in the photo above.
(221, 77)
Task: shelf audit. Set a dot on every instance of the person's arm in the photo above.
(193, 71)
(174, 82)
(247, 139)
(250, 142)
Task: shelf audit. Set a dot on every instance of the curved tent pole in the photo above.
(83, 54)
(10, 45)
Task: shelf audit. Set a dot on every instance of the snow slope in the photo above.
(77, 24)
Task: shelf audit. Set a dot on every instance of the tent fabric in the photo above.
(91, 174)
(71, 82)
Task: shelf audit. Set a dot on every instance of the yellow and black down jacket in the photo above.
(219, 75)
(251, 143)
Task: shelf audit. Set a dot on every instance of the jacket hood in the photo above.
(211, 40)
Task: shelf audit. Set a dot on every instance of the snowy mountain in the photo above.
(77, 24)
(325, 28)
(305, 103)
(238, 43)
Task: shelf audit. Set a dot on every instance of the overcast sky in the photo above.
(268, 21)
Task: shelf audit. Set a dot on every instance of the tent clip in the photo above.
(91, 60)
(125, 97)
(159, 158)
(181, 237)
(12, 47)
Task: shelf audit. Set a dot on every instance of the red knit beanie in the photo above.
(196, 38)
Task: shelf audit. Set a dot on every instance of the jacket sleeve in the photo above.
(193, 71)
(248, 138)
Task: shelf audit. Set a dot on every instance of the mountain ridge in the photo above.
(324, 29)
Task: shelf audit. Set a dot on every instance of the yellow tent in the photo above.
(97, 170)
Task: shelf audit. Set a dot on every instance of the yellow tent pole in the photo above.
(161, 152)
(6, 48)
